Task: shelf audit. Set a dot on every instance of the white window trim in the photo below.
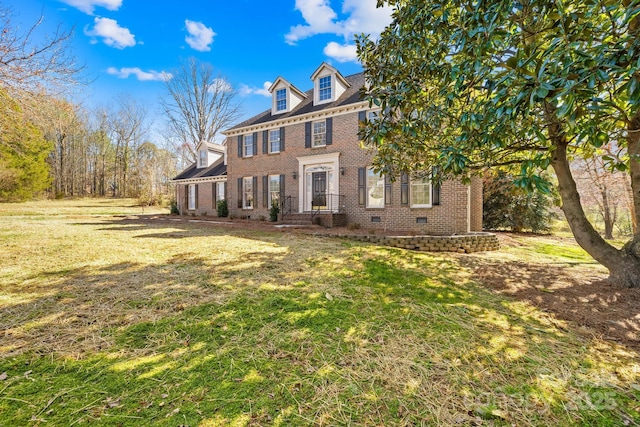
(191, 198)
(202, 158)
(220, 194)
(279, 141)
(313, 133)
(244, 192)
(245, 145)
(367, 189)
(420, 205)
(286, 100)
(271, 178)
(317, 90)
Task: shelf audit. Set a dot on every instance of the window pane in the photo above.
(421, 192)
(319, 134)
(281, 99)
(325, 88)
(375, 189)
(192, 197)
(274, 141)
(220, 190)
(274, 188)
(248, 145)
(247, 196)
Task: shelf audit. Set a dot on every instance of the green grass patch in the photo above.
(117, 321)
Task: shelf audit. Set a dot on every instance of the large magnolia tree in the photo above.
(517, 85)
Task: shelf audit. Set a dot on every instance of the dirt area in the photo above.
(578, 295)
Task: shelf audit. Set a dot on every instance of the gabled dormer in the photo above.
(284, 96)
(208, 154)
(328, 84)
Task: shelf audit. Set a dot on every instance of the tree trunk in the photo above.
(623, 264)
(606, 216)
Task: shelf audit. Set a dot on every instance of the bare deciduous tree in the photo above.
(199, 105)
(127, 127)
(28, 65)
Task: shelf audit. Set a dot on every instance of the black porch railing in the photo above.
(288, 206)
(327, 202)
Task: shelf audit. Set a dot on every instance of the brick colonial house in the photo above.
(304, 153)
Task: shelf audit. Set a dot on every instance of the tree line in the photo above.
(52, 146)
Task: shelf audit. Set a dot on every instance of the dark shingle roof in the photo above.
(216, 169)
(350, 96)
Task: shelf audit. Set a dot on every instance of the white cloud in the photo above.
(200, 36)
(143, 76)
(341, 52)
(252, 90)
(320, 19)
(111, 33)
(88, 6)
(361, 16)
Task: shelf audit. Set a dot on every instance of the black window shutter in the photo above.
(307, 135)
(214, 192)
(281, 189)
(255, 192)
(186, 197)
(239, 145)
(387, 190)
(329, 124)
(239, 193)
(265, 141)
(265, 191)
(362, 186)
(255, 143)
(282, 138)
(404, 189)
(435, 190)
(196, 196)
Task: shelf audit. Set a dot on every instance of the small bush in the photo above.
(274, 211)
(222, 208)
(262, 218)
(353, 226)
(173, 207)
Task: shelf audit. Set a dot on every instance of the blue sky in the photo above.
(130, 46)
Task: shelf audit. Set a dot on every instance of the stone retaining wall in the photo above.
(467, 243)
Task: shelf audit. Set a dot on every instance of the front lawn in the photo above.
(112, 318)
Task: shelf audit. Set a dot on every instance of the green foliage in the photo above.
(24, 172)
(466, 85)
(507, 206)
(222, 208)
(173, 207)
(274, 211)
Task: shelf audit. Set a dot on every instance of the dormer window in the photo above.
(281, 99)
(202, 159)
(325, 88)
(328, 84)
(284, 96)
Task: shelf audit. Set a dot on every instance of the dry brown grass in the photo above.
(151, 321)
